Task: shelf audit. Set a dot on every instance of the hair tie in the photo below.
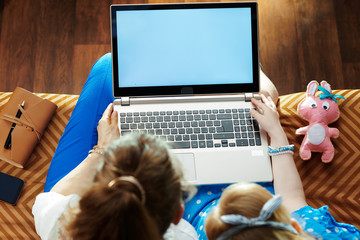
(327, 94)
(241, 222)
(132, 180)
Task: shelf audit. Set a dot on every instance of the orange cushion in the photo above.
(337, 183)
(17, 222)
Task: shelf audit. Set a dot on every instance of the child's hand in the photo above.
(267, 115)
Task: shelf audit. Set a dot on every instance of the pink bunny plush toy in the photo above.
(319, 112)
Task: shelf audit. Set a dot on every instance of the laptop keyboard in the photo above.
(211, 128)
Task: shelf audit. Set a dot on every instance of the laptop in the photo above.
(186, 73)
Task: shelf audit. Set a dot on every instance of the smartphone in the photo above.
(10, 188)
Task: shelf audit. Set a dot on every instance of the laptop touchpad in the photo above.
(188, 162)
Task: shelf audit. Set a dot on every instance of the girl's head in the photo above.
(139, 206)
(248, 200)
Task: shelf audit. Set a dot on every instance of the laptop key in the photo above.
(242, 142)
(256, 125)
(224, 116)
(227, 125)
(223, 135)
(123, 132)
(194, 124)
(219, 129)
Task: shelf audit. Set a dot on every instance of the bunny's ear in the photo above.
(312, 88)
(325, 85)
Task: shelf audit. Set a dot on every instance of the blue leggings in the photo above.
(80, 134)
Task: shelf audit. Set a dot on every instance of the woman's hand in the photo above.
(267, 115)
(108, 129)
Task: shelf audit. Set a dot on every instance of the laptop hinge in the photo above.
(125, 101)
(248, 97)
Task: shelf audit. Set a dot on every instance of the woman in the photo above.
(128, 188)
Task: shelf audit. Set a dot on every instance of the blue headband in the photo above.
(327, 94)
(240, 222)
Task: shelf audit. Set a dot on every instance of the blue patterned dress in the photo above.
(317, 222)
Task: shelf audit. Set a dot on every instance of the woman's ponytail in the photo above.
(115, 212)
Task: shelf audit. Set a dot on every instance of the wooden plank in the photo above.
(92, 22)
(348, 25)
(55, 37)
(129, 1)
(351, 73)
(317, 31)
(279, 44)
(2, 4)
(18, 44)
(84, 58)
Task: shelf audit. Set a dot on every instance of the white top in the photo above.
(49, 207)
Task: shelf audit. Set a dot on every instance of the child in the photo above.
(248, 211)
(247, 200)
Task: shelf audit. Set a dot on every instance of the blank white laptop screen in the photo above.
(184, 47)
(192, 59)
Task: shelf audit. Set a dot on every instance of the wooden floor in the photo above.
(50, 45)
